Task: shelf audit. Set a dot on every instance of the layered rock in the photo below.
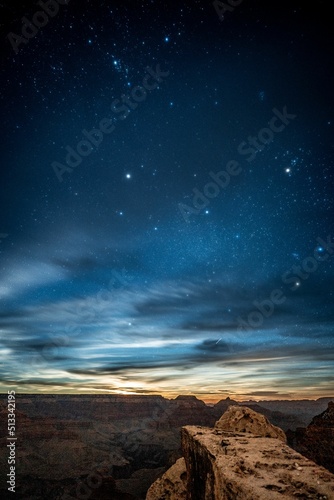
(188, 410)
(87, 407)
(303, 410)
(237, 459)
(62, 439)
(284, 421)
(317, 440)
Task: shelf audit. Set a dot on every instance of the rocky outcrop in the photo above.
(172, 485)
(225, 463)
(283, 420)
(246, 420)
(317, 440)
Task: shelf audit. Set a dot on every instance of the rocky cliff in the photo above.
(243, 457)
(317, 440)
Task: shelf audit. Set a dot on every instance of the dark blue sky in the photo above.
(185, 247)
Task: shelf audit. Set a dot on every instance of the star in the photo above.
(189, 281)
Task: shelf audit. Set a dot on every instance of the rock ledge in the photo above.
(222, 464)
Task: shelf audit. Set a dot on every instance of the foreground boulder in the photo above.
(249, 463)
(243, 419)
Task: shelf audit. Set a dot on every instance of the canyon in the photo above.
(95, 446)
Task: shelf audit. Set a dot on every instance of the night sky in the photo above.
(167, 198)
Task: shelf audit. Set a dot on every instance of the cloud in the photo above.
(159, 331)
(29, 276)
(268, 393)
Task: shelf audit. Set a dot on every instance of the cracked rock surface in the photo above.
(227, 463)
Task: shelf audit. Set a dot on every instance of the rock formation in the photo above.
(172, 485)
(325, 419)
(222, 405)
(304, 409)
(317, 440)
(63, 439)
(283, 420)
(237, 459)
(188, 410)
(243, 419)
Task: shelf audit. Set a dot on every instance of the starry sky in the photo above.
(167, 198)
